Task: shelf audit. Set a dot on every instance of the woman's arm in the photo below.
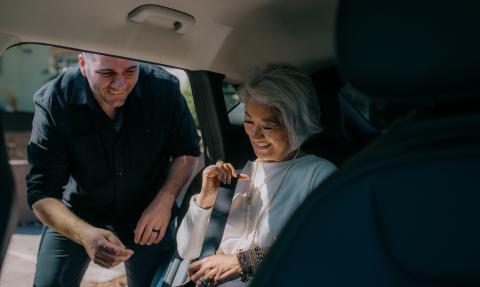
(192, 230)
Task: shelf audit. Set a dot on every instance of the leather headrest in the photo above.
(410, 51)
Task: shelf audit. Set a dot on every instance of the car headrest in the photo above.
(410, 51)
(328, 84)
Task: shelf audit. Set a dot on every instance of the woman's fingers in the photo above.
(216, 171)
(243, 176)
(199, 273)
(197, 269)
(228, 275)
(231, 172)
(210, 274)
(223, 172)
(192, 268)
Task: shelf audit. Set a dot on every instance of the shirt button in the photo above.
(119, 173)
(147, 131)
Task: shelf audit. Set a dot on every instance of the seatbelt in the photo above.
(218, 218)
(213, 236)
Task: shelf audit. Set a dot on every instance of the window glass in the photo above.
(235, 109)
(186, 90)
(371, 110)
(230, 96)
(23, 70)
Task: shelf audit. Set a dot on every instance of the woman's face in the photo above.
(268, 136)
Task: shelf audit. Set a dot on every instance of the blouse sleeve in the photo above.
(322, 171)
(192, 231)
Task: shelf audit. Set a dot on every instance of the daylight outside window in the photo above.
(23, 70)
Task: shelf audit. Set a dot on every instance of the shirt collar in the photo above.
(81, 89)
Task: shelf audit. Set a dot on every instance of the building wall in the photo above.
(18, 61)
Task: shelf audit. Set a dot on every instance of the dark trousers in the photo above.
(62, 262)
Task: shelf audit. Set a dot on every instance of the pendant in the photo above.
(249, 200)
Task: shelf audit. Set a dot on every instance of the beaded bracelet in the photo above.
(244, 268)
(249, 261)
(259, 258)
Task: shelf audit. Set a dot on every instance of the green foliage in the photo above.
(187, 94)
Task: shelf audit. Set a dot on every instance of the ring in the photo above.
(203, 282)
(219, 162)
(156, 230)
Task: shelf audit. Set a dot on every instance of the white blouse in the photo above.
(304, 175)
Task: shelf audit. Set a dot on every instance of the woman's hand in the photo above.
(217, 269)
(213, 175)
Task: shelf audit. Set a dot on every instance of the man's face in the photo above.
(111, 79)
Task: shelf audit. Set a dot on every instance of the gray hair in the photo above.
(289, 92)
(87, 55)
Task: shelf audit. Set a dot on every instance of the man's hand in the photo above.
(104, 248)
(217, 269)
(153, 223)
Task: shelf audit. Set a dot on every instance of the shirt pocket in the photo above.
(152, 144)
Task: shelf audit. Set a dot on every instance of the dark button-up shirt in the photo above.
(102, 173)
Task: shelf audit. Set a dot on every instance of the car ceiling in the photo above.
(228, 36)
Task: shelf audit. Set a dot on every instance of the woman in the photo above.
(281, 112)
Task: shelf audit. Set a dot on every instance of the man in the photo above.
(112, 144)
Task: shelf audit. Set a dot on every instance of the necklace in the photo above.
(246, 224)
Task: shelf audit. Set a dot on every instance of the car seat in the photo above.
(334, 142)
(7, 193)
(405, 210)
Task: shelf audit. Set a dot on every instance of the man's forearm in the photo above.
(56, 215)
(101, 245)
(180, 171)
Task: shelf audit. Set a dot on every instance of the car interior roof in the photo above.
(227, 37)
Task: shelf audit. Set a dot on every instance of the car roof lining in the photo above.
(228, 37)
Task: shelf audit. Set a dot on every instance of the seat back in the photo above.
(332, 143)
(404, 211)
(7, 195)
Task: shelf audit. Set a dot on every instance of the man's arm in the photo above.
(157, 215)
(102, 246)
(44, 192)
(49, 172)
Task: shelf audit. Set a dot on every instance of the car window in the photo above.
(186, 90)
(372, 111)
(24, 69)
(235, 108)
(230, 96)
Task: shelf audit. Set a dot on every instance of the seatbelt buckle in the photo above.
(232, 184)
